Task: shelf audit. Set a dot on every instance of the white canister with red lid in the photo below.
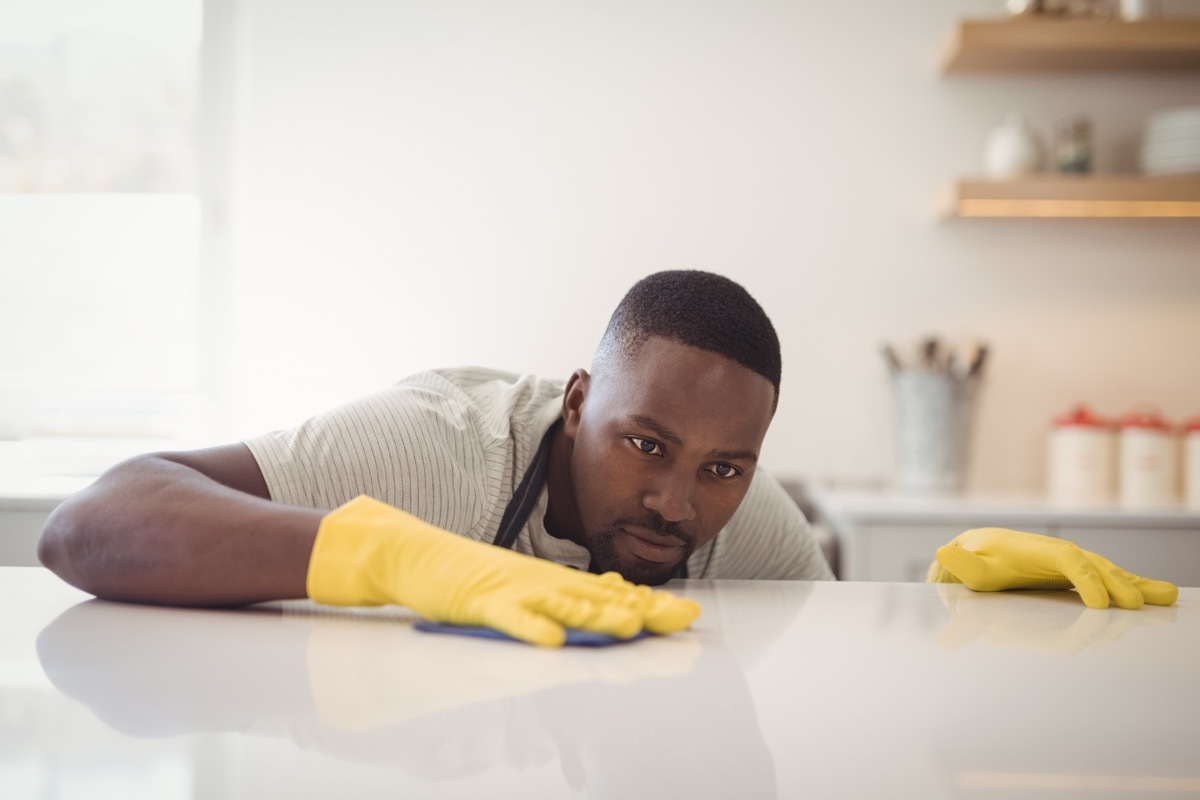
(1191, 463)
(1147, 448)
(1081, 458)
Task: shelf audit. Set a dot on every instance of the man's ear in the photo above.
(573, 397)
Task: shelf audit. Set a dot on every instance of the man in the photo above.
(646, 467)
(643, 469)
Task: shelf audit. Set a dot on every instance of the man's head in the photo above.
(697, 309)
(663, 436)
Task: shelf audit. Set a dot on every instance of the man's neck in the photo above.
(562, 517)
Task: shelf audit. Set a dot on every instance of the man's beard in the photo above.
(604, 559)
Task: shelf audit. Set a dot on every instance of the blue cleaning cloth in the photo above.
(575, 637)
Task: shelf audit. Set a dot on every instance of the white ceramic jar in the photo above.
(1147, 448)
(1081, 458)
(1133, 10)
(1013, 149)
(1191, 463)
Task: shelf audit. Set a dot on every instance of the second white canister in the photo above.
(1081, 458)
(1147, 448)
(1191, 463)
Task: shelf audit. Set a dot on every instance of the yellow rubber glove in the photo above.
(993, 559)
(368, 553)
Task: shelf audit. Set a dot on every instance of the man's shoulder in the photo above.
(769, 538)
(767, 515)
(498, 405)
(482, 383)
(765, 488)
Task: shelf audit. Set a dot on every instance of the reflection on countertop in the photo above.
(781, 689)
(1045, 622)
(358, 686)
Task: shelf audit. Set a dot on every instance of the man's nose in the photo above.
(673, 496)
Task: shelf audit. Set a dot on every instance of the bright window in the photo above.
(100, 217)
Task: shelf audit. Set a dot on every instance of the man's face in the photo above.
(664, 445)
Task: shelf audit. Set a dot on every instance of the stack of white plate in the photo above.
(1172, 142)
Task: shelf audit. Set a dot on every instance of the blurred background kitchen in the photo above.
(220, 216)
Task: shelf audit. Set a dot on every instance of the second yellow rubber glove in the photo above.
(368, 553)
(993, 559)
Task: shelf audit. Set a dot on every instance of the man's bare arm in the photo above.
(190, 528)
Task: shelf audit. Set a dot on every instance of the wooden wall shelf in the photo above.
(1047, 44)
(1061, 196)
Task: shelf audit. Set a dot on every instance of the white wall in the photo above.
(435, 183)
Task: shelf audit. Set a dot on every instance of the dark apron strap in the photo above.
(525, 498)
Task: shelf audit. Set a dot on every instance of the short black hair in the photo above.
(697, 309)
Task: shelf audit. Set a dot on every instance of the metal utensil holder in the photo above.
(934, 416)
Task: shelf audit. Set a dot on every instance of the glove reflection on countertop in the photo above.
(620, 721)
(361, 681)
(1038, 621)
(190, 670)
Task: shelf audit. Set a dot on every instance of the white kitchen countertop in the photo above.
(780, 690)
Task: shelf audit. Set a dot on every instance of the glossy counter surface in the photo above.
(780, 690)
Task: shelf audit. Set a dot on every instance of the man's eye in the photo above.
(724, 470)
(647, 446)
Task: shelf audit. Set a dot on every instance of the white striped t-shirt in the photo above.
(451, 446)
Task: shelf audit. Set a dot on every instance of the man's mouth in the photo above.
(648, 545)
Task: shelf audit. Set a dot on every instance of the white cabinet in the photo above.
(38, 474)
(891, 537)
(20, 529)
(895, 552)
(1169, 554)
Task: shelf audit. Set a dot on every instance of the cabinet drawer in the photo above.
(1169, 554)
(19, 534)
(899, 552)
(884, 551)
